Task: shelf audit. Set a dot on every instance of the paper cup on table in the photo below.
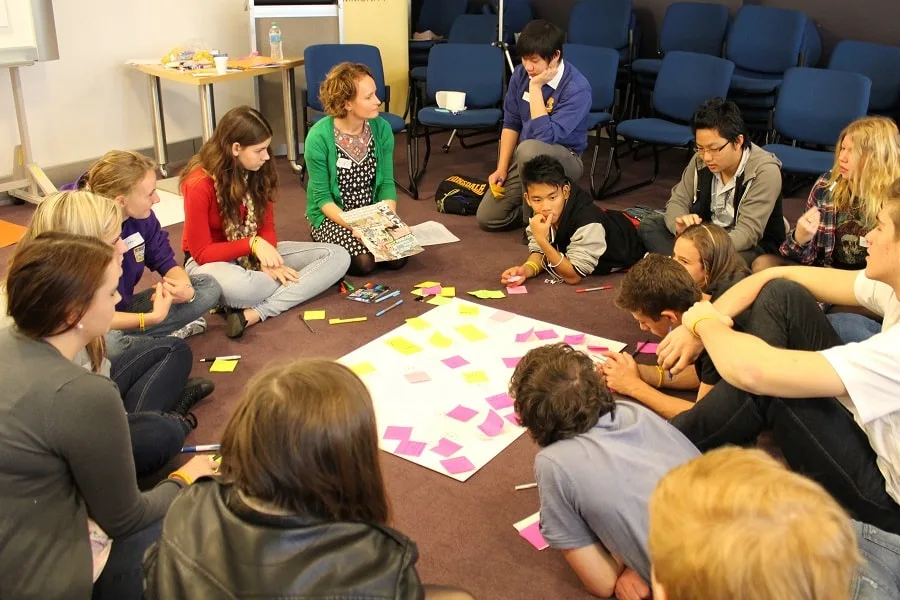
(221, 64)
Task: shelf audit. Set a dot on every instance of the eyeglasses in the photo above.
(702, 151)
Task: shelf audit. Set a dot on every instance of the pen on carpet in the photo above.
(394, 305)
(526, 486)
(640, 346)
(202, 448)
(308, 326)
(215, 358)
(594, 289)
(386, 296)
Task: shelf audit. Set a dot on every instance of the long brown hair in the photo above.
(246, 126)
(304, 438)
(68, 269)
(718, 257)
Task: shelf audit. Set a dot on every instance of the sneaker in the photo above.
(235, 322)
(195, 390)
(193, 328)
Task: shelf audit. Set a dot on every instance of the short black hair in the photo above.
(722, 115)
(545, 169)
(540, 38)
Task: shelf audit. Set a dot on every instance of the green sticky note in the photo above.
(448, 292)
(475, 377)
(468, 309)
(314, 315)
(363, 368)
(418, 323)
(223, 366)
(403, 346)
(438, 301)
(427, 284)
(471, 333)
(440, 340)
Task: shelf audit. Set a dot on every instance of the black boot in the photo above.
(195, 390)
(235, 322)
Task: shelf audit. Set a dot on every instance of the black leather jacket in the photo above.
(214, 546)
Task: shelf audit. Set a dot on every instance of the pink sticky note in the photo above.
(532, 534)
(417, 377)
(521, 337)
(512, 362)
(462, 413)
(648, 348)
(455, 362)
(592, 348)
(397, 433)
(516, 289)
(458, 465)
(502, 316)
(574, 339)
(492, 425)
(513, 418)
(446, 448)
(500, 401)
(432, 291)
(411, 448)
(546, 334)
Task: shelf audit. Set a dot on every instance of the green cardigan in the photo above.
(320, 154)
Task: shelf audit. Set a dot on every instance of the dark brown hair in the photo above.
(247, 127)
(718, 257)
(657, 283)
(65, 268)
(304, 438)
(558, 393)
(340, 87)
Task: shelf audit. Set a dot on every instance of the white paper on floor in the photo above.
(439, 382)
(431, 233)
(170, 209)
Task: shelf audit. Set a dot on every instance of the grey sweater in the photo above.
(65, 454)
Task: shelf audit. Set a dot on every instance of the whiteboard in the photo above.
(27, 31)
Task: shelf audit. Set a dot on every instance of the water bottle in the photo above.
(275, 50)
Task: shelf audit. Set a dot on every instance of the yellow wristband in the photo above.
(702, 318)
(141, 320)
(659, 383)
(181, 476)
(533, 265)
(253, 244)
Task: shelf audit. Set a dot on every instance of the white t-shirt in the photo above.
(870, 370)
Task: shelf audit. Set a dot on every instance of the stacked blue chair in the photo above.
(438, 17)
(477, 70)
(686, 80)
(814, 106)
(879, 63)
(606, 23)
(600, 67)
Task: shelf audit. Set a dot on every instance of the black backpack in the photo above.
(460, 195)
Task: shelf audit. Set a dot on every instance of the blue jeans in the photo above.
(318, 265)
(207, 294)
(123, 576)
(879, 578)
(853, 327)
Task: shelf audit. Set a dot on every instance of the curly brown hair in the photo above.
(558, 393)
(657, 283)
(339, 87)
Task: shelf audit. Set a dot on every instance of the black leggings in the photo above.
(363, 264)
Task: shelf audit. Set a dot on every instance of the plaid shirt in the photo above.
(819, 250)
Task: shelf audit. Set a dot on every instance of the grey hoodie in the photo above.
(762, 186)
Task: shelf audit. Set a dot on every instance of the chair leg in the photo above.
(635, 186)
(412, 158)
(612, 159)
(446, 146)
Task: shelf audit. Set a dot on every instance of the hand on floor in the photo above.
(630, 586)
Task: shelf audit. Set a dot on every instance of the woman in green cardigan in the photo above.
(350, 158)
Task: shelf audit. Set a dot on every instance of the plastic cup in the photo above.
(221, 64)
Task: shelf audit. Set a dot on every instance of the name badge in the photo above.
(526, 97)
(344, 163)
(134, 240)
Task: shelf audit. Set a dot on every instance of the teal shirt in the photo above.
(320, 154)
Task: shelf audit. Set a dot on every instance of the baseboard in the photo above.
(179, 152)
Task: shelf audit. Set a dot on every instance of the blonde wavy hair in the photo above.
(80, 213)
(117, 173)
(736, 524)
(876, 145)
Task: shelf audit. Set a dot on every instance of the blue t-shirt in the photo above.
(595, 487)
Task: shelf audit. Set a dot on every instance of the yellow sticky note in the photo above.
(418, 323)
(363, 368)
(418, 293)
(440, 340)
(314, 315)
(339, 321)
(223, 366)
(471, 333)
(427, 284)
(448, 292)
(403, 346)
(438, 301)
(468, 309)
(475, 377)
(488, 294)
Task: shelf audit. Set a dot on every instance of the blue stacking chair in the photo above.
(600, 67)
(437, 16)
(477, 70)
(606, 23)
(320, 58)
(879, 63)
(814, 106)
(686, 80)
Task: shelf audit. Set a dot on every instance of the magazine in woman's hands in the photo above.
(380, 230)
